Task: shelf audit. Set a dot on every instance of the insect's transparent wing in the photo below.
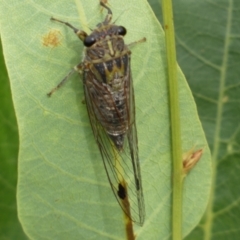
(132, 148)
(122, 167)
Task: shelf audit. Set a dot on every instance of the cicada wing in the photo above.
(105, 146)
(120, 165)
(132, 150)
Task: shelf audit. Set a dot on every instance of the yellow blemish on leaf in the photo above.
(52, 39)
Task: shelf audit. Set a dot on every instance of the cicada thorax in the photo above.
(107, 79)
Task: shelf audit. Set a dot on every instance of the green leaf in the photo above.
(10, 228)
(63, 191)
(208, 36)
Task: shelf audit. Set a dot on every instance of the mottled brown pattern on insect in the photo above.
(110, 94)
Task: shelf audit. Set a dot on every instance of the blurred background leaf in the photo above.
(10, 227)
(208, 47)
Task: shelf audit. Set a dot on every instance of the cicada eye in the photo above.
(122, 30)
(89, 41)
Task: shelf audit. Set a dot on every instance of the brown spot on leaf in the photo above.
(191, 158)
(52, 39)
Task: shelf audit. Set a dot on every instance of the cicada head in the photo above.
(105, 42)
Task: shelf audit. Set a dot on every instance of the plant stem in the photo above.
(175, 121)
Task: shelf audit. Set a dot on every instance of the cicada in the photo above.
(109, 97)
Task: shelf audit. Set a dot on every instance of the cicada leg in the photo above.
(109, 14)
(136, 42)
(77, 68)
